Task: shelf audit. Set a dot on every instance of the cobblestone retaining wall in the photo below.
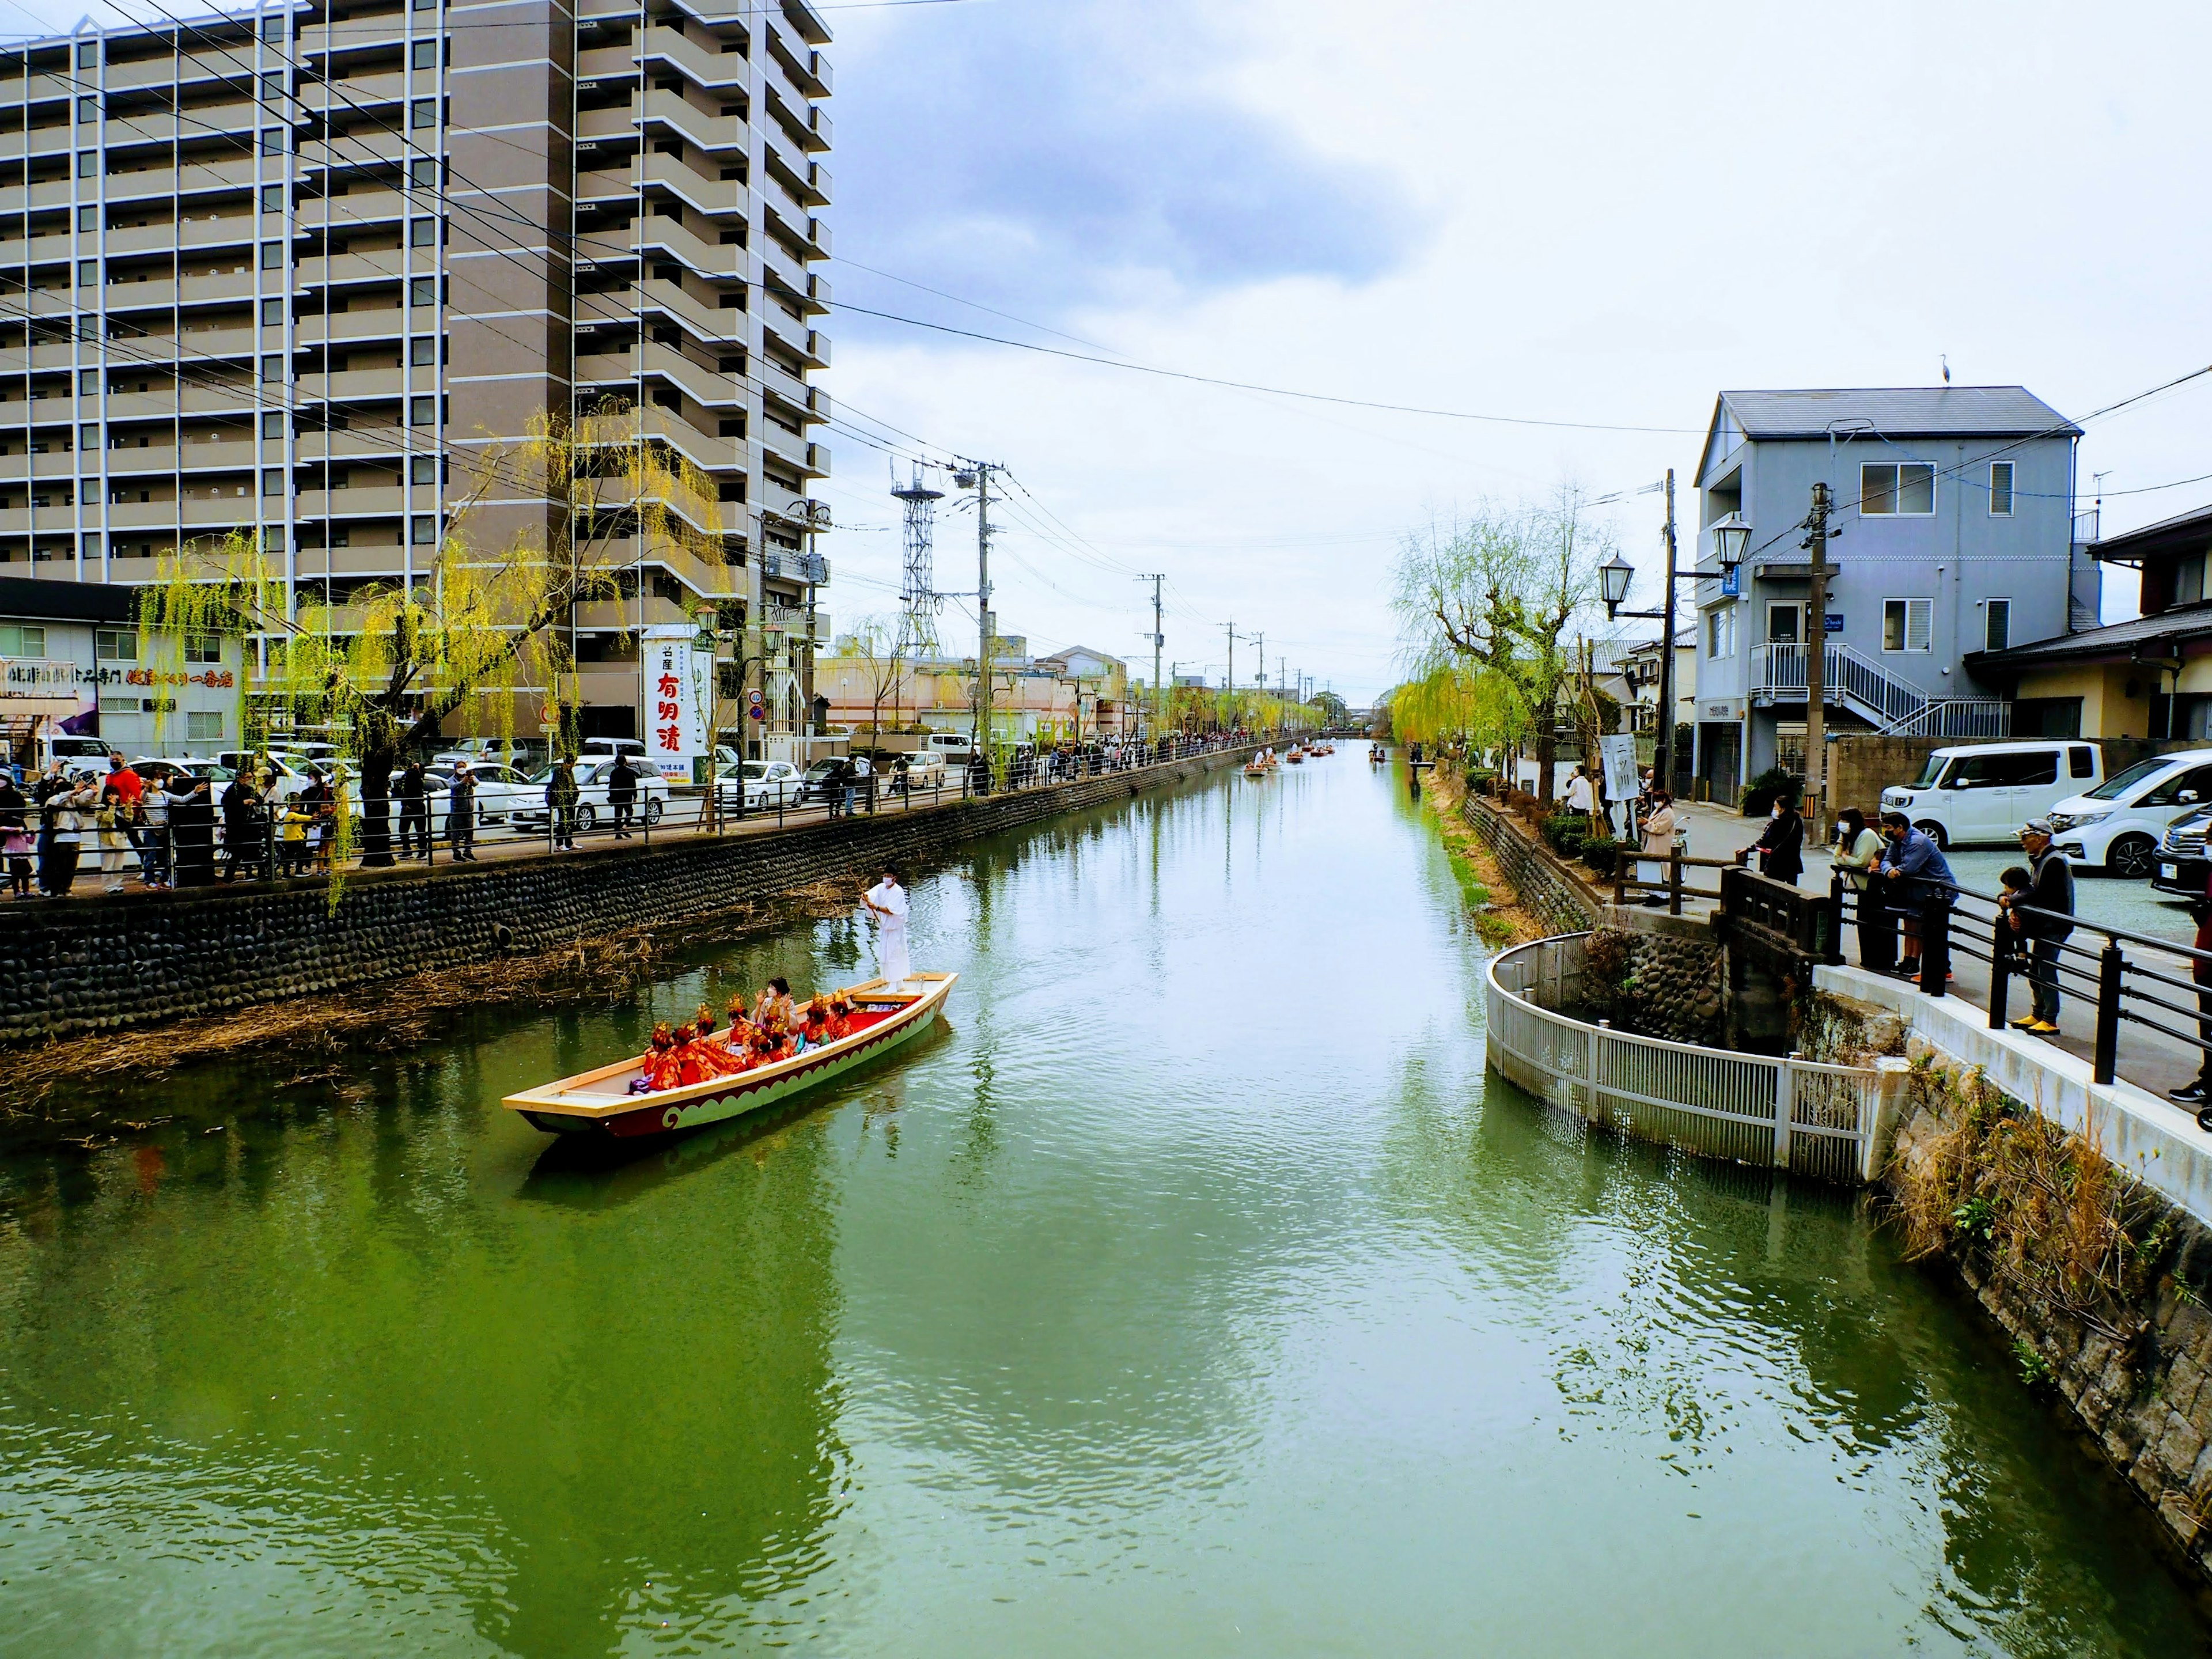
(100, 964)
(1546, 891)
(1657, 976)
(2139, 1379)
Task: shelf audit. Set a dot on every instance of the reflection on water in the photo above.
(1190, 1292)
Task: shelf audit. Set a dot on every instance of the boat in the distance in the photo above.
(600, 1102)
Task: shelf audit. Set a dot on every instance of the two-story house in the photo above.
(1955, 508)
(2147, 677)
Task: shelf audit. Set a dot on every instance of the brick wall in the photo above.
(101, 964)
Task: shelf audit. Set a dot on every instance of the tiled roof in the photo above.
(2141, 636)
(1924, 411)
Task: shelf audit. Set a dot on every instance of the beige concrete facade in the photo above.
(304, 269)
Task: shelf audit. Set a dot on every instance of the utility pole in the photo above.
(1229, 708)
(1816, 664)
(1159, 639)
(980, 477)
(1663, 745)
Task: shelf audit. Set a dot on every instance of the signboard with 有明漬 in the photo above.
(676, 678)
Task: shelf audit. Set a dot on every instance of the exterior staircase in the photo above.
(1891, 706)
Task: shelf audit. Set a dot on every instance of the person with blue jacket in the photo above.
(1922, 882)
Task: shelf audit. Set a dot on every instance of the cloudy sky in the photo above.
(1592, 216)
(1599, 213)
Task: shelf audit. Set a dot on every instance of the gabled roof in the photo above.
(1919, 411)
(2143, 636)
(2185, 531)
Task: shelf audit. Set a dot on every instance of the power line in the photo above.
(1246, 385)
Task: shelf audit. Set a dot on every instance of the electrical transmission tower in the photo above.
(918, 598)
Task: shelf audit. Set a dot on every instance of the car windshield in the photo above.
(1931, 772)
(821, 769)
(2113, 789)
(756, 769)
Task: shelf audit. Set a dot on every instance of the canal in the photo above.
(1193, 1294)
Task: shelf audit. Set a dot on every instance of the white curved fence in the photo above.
(1826, 1121)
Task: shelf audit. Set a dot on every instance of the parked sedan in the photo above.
(499, 790)
(767, 784)
(529, 810)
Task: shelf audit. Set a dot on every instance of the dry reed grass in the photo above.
(2044, 1213)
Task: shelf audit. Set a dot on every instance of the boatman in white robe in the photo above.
(887, 899)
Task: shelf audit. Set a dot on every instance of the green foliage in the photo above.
(1565, 833)
(2035, 1369)
(1602, 853)
(1975, 1218)
(1759, 794)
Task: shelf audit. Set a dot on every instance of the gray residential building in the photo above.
(300, 269)
(1955, 505)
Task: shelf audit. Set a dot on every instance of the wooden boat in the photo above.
(1255, 768)
(600, 1102)
(1375, 754)
(1296, 757)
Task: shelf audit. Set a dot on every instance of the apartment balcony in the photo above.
(337, 99)
(200, 175)
(665, 238)
(384, 322)
(723, 136)
(373, 502)
(809, 70)
(205, 343)
(39, 141)
(45, 520)
(711, 68)
(143, 515)
(18, 198)
(361, 384)
(384, 266)
(617, 121)
(808, 345)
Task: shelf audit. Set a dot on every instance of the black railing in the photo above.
(2124, 990)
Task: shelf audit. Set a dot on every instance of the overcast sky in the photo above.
(1597, 213)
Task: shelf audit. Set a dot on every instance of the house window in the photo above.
(421, 411)
(17, 641)
(1996, 631)
(1907, 624)
(423, 113)
(2000, 489)
(423, 233)
(203, 647)
(1896, 488)
(2189, 579)
(115, 645)
(203, 728)
(1720, 631)
(423, 350)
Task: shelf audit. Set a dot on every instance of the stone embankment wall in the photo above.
(2136, 1367)
(1657, 976)
(1547, 891)
(101, 964)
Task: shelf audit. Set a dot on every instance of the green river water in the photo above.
(1192, 1294)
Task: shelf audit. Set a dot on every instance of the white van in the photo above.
(956, 747)
(1984, 791)
(2119, 825)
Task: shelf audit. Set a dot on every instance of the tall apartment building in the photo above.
(303, 269)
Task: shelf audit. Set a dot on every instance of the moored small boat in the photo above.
(600, 1100)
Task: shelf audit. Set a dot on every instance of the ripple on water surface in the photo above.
(1193, 1292)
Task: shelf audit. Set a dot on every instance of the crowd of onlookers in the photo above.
(177, 827)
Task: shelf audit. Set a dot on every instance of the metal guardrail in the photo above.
(1805, 1117)
(2124, 990)
(199, 844)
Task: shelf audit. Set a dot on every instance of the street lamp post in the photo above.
(1614, 576)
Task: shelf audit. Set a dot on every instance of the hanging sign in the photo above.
(1618, 750)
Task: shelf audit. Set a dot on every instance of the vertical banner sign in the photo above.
(1618, 751)
(675, 701)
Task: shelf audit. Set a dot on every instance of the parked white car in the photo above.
(2117, 826)
(767, 783)
(592, 812)
(499, 790)
(1984, 791)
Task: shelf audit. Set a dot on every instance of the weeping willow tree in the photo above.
(1456, 703)
(382, 669)
(1497, 598)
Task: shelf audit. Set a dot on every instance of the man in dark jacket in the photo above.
(2050, 895)
(461, 814)
(2199, 1093)
(622, 795)
(414, 796)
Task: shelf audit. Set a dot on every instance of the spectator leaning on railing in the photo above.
(2199, 1092)
(1858, 850)
(2051, 889)
(1922, 885)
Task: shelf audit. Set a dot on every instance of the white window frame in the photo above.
(1720, 632)
(1989, 612)
(1905, 647)
(1797, 606)
(115, 645)
(2011, 487)
(1896, 490)
(198, 716)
